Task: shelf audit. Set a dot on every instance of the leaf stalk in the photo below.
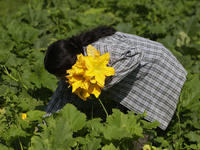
(6, 72)
(103, 107)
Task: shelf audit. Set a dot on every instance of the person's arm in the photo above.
(60, 97)
(128, 58)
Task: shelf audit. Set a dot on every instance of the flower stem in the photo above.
(103, 107)
(20, 144)
(6, 72)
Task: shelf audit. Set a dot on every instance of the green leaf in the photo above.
(36, 80)
(12, 61)
(191, 27)
(94, 125)
(31, 35)
(57, 135)
(70, 142)
(50, 82)
(41, 142)
(12, 134)
(9, 23)
(149, 125)
(89, 19)
(93, 144)
(24, 124)
(124, 27)
(3, 89)
(61, 134)
(37, 5)
(169, 41)
(22, 49)
(109, 147)
(161, 140)
(35, 115)
(5, 55)
(195, 68)
(183, 39)
(51, 121)
(197, 125)
(128, 122)
(94, 11)
(34, 18)
(136, 130)
(75, 118)
(193, 146)
(42, 43)
(37, 56)
(23, 105)
(186, 61)
(112, 132)
(25, 76)
(158, 28)
(32, 103)
(27, 34)
(3, 147)
(6, 44)
(191, 94)
(192, 136)
(120, 120)
(41, 77)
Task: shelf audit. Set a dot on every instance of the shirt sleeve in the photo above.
(124, 60)
(60, 97)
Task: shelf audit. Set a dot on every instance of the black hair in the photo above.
(62, 54)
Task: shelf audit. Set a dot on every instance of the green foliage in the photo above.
(26, 87)
(70, 129)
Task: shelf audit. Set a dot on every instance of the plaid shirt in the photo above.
(147, 77)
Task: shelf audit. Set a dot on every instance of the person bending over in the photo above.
(147, 75)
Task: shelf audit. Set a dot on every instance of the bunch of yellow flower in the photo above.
(88, 74)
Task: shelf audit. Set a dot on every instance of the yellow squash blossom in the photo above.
(24, 116)
(91, 51)
(88, 74)
(98, 69)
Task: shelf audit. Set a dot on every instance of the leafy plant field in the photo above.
(26, 87)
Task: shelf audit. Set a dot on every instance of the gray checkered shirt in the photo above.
(147, 77)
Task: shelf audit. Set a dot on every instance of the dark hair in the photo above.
(62, 54)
